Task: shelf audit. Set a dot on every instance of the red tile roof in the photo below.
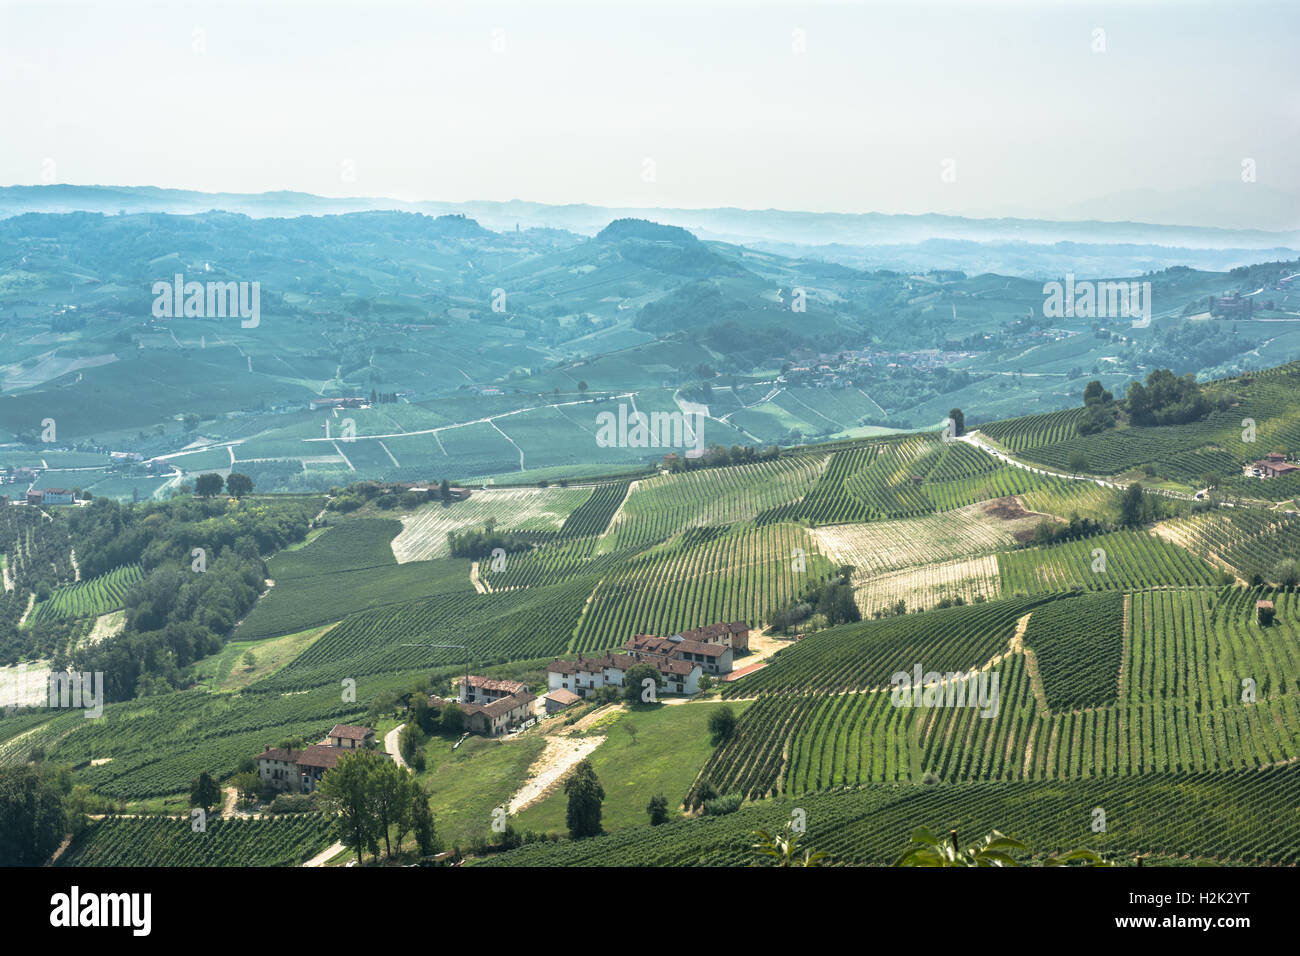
(351, 732)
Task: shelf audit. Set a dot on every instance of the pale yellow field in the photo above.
(424, 530)
(881, 546)
(924, 587)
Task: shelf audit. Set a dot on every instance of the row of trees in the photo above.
(209, 485)
(376, 801)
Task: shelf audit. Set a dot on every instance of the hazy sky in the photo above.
(566, 102)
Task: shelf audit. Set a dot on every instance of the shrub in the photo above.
(721, 806)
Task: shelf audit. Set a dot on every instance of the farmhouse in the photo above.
(317, 403)
(486, 690)
(491, 707)
(712, 658)
(586, 675)
(299, 771)
(50, 496)
(349, 737)
(557, 700)
(499, 716)
(734, 635)
(1234, 305)
(1272, 465)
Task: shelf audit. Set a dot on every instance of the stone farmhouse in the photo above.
(287, 770)
(492, 707)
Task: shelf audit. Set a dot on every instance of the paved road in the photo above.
(390, 744)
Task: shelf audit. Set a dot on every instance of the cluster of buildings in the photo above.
(839, 370)
(50, 496)
(681, 660)
(286, 770)
(1272, 465)
(492, 707)
(1234, 306)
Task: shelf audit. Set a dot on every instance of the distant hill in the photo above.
(644, 229)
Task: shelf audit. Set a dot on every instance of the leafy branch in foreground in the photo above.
(993, 849)
(783, 847)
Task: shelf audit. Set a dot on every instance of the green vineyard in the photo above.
(1078, 645)
(287, 840)
(97, 596)
(1122, 559)
(1246, 817)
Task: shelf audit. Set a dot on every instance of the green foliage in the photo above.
(204, 791)
(722, 723)
(658, 810)
(1164, 815)
(993, 849)
(585, 795)
(32, 818)
(208, 485)
(634, 681)
(783, 847)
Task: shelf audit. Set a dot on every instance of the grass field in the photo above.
(671, 745)
(465, 786)
(347, 569)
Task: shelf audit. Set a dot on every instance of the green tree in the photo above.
(1132, 506)
(722, 723)
(345, 793)
(207, 485)
(585, 798)
(1286, 573)
(453, 718)
(421, 714)
(204, 792)
(246, 784)
(633, 680)
(409, 741)
(250, 659)
(391, 795)
(1078, 462)
(658, 809)
(426, 837)
(32, 817)
(239, 485)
